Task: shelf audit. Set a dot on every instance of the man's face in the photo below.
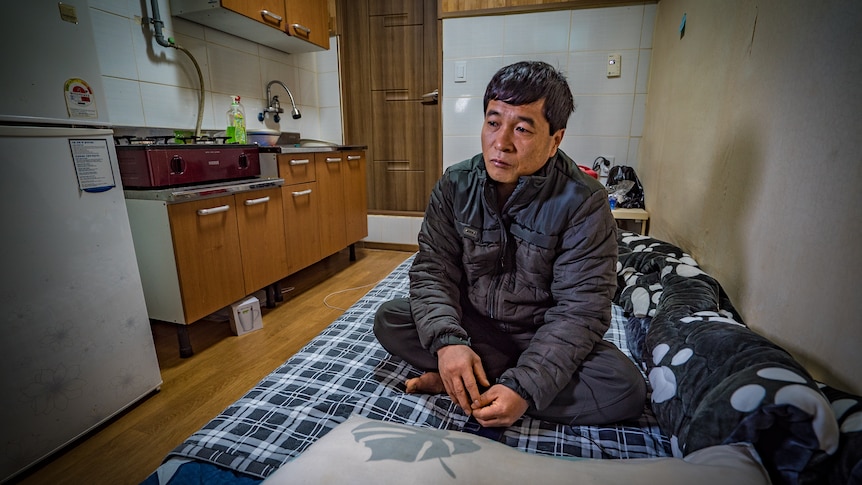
(515, 140)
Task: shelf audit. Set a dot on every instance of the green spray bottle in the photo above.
(235, 131)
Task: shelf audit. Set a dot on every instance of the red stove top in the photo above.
(160, 165)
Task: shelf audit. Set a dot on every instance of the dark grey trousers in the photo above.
(607, 388)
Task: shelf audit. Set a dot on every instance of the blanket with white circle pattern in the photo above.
(715, 381)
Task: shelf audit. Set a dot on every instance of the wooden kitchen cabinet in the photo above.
(292, 26)
(301, 213)
(309, 20)
(199, 256)
(355, 197)
(260, 220)
(302, 225)
(325, 203)
(331, 171)
(267, 12)
(343, 196)
(207, 250)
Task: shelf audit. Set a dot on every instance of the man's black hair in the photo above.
(529, 81)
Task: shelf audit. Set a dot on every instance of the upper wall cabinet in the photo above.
(292, 26)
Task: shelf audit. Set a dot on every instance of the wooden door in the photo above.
(207, 250)
(390, 59)
(260, 219)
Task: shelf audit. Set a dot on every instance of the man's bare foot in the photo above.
(427, 383)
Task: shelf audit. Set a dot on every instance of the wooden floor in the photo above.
(223, 368)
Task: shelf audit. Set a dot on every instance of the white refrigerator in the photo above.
(76, 346)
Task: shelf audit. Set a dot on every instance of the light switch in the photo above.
(615, 62)
(460, 71)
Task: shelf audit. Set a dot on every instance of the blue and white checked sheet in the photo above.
(345, 371)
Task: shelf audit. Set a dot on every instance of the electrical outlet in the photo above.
(615, 62)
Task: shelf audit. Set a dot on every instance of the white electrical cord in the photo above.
(343, 291)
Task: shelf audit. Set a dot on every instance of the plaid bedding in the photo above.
(345, 371)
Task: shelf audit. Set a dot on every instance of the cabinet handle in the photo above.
(261, 200)
(213, 210)
(301, 192)
(300, 162)
(353, 157)
(304, 29)
(333, 159)
(267, 13)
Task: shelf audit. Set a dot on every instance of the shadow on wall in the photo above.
(730, 204)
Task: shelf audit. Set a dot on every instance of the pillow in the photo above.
(363, 450)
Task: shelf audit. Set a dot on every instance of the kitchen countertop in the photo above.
(172, 195)
(310, 149)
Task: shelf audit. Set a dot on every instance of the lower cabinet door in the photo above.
(260, 219)
(207, 250)
(301, 225)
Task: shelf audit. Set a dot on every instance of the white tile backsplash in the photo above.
(611, 28)
(473, 37)
(585, 149)
(394, 229)
(462, 116)
(478, 71)
(151, 86)
(125, 106)
(327, 83)
(536, 33)
(459, 148)
(234, 72)
(117, 57)
(644, 58)
(648, 26)
(602, 115)
(638, 111)
(588, 73)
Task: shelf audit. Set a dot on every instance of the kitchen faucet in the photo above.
(274, 106)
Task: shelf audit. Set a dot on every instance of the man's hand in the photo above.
(462, 373)
(499, 406)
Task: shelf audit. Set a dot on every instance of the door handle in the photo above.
(431, 98)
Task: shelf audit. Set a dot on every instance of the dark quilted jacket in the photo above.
(548, 261)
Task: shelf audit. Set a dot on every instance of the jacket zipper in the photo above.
(496, 281)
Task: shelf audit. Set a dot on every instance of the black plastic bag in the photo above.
(622, 175)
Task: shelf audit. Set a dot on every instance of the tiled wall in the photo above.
(151, 86)
(608, 120)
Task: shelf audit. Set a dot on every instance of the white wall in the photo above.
(608, 120)
(150, 86)
(751, 161)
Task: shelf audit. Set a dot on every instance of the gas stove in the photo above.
(154, 163)
(170, 140)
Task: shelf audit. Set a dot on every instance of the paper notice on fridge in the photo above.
(92, 165)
